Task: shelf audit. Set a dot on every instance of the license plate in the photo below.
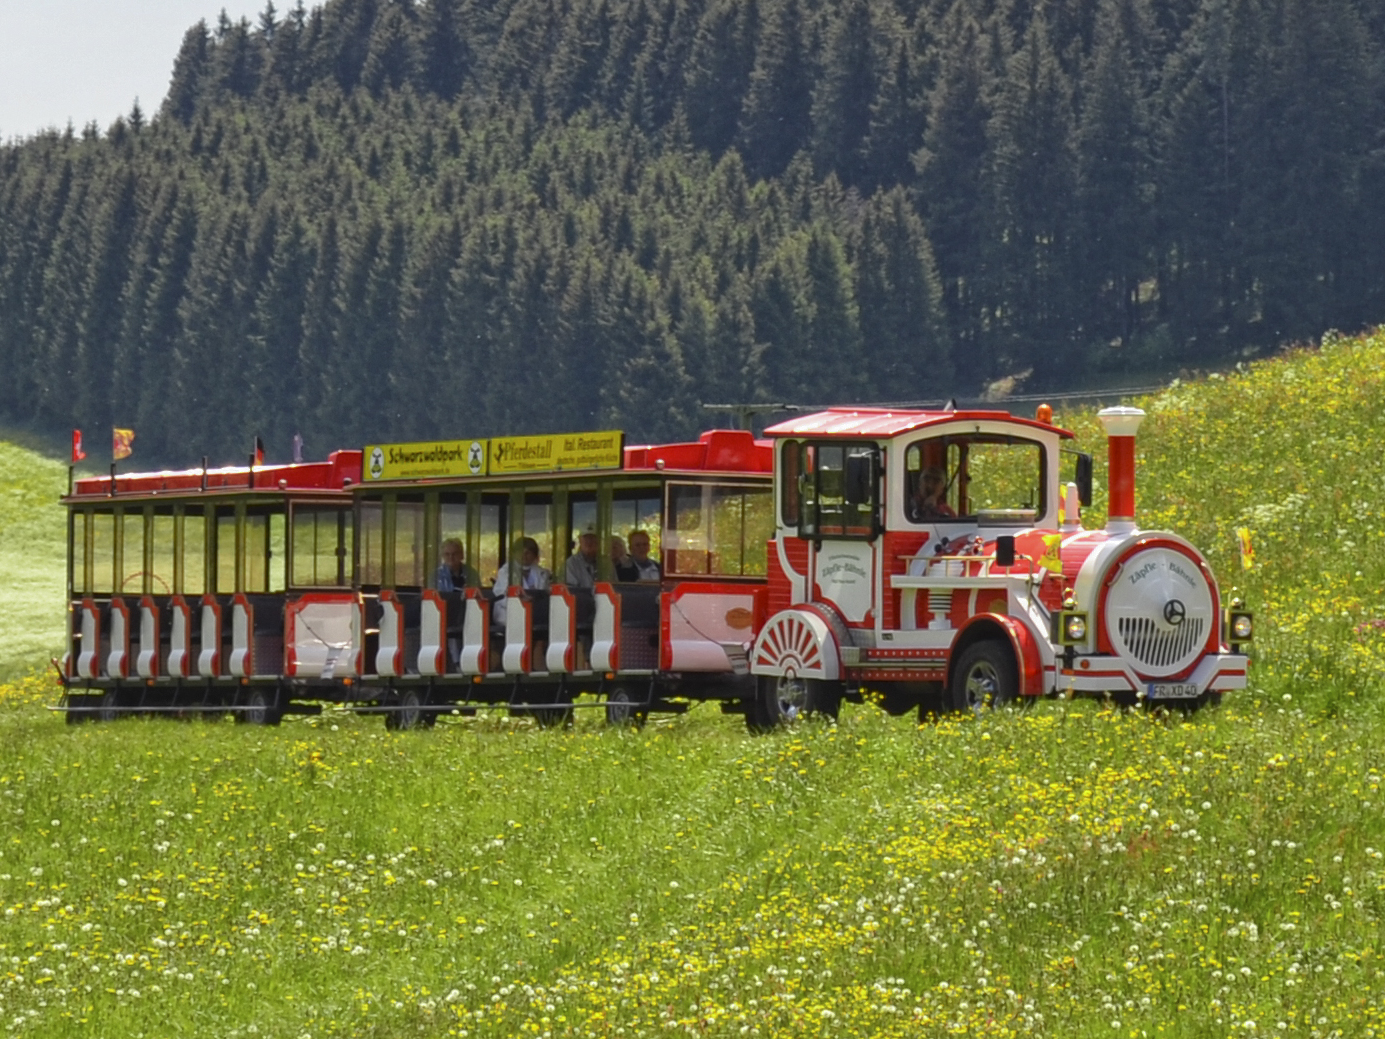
(1173, 691)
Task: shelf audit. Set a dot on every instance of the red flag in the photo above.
(77, 453)
(121, 441)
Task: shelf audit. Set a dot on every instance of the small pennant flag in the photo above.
(259, 451)
(1052, 559)
(1247, 549)
(121, 443)
(77, 453)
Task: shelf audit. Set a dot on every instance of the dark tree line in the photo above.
(389, 219)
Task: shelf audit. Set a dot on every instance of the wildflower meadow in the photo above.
(1067, 870)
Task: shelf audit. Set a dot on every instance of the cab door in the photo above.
(841, 518)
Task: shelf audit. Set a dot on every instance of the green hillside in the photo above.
(1067, 871)
(33, 558)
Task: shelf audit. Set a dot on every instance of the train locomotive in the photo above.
(928, 560)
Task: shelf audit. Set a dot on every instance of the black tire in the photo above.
(986, 676)
(261, 707)
(624, 711)
(78, 706)
(559, 715)
(780, 701)
(410, 712)
(110, 704)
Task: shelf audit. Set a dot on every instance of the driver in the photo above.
(930, 496)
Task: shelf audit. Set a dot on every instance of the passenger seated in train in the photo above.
(580, 572)
(453, 573)
(621, 564)
(531, 577)
(645, 568)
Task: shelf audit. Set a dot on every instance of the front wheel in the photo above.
(986, 676)
(780, 699)
(410, 713)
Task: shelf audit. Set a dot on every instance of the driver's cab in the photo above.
(865, 494)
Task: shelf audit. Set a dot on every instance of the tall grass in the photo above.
(1065, 871)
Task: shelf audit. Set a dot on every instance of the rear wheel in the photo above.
(261, 707)
(624, 711)
(986, 676)
(410, 713)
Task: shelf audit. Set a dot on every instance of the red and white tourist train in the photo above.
(929, 560)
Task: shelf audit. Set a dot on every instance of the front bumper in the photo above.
(1214, 673)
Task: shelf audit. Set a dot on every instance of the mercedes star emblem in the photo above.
(1174, 612)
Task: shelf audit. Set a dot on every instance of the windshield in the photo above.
(982, 478)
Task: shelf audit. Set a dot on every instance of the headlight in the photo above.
(1069, 627)
(1241, 627)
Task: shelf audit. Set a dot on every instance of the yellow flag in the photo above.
(1052, 558)
(1247, 549)
(122, 441)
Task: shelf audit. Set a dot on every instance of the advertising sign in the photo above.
(557, 452)
(431, 459)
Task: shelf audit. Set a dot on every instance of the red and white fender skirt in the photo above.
(1029, 659)
(1217, 672)
(802, 642)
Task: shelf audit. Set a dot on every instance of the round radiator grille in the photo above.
(1159, 611)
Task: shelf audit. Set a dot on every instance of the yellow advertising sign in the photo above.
(1052, 559)
(431, 459)
(557, 452)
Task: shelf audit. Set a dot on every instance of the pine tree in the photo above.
(719, 71)
(775, 120)
(392, 59)
(950, 168)
(1030, 180)
(446, 55)
(190, 72)
(845, 90)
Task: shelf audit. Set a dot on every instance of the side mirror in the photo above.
(1005, 550)
(859, 479)
(1083, 474)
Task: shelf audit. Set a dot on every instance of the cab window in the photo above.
(838, 490)
(986, 479)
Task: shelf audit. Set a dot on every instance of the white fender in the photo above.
(797, 643)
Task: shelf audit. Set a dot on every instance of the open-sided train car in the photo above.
(798, 571)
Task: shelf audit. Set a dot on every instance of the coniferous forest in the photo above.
(398, 219)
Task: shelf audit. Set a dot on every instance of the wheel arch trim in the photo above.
(1028, 661)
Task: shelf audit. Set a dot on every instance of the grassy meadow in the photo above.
(33, 557)
(1067, 871)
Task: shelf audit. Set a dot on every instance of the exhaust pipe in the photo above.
(1121, 425)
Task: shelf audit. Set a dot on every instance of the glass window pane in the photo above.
(194, 553)
(372, 542)
(492, 549)
(103, 553)
(275, 562)
(685, 539)
(321, 546)
(408, 544)
(538, 524)
(225, 550)
(161, 533)
(79, 553)
(132, 582)
(256, 550)
(452, 517)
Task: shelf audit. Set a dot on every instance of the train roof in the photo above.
(339, 471)
(891, 422)
(717, 450)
